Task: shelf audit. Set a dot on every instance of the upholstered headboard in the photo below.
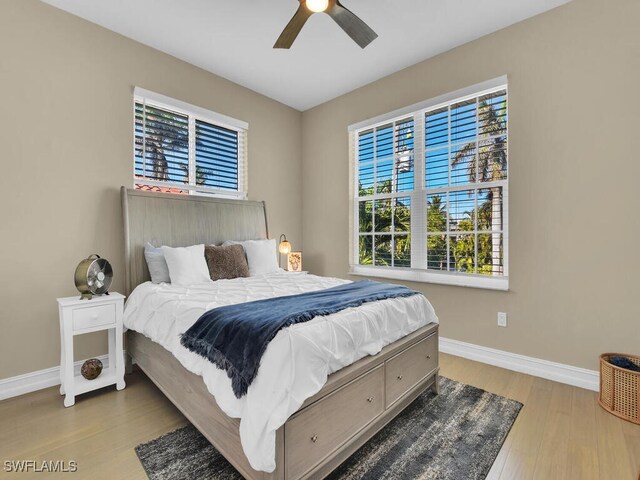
(180, 221)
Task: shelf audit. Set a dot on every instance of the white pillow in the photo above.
(156, 263)
(261, 255)
(187, 265)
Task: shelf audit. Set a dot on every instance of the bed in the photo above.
(325, 429)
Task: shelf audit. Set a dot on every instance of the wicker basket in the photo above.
(620, 388)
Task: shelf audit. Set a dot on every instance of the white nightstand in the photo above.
(85, 316)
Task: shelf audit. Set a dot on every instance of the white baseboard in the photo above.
(30, 382)
(558, 372)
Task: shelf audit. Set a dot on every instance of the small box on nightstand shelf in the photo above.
(84, 316)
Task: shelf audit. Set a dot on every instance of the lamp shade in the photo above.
(284, 246)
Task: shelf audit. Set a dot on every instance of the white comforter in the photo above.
(298, 360)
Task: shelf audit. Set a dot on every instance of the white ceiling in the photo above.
(234, 38)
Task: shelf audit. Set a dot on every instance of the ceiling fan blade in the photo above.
(359, 31)
(291, 31)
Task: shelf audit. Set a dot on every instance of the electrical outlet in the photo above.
(502, 319)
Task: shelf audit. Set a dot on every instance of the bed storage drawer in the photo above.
(322, 427)
(407, 368)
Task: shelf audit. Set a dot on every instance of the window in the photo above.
(430, 190)
(181, 148)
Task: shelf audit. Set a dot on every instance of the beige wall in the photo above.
(574, 82)
(66, 134)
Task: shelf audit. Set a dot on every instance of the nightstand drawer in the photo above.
(94, 316)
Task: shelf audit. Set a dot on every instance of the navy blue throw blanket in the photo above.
(235, 337)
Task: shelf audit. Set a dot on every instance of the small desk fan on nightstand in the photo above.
(93, 276)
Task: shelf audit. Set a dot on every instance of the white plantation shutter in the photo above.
(186, 149)
(385, 178)
(219, 157)
(466, 173)
(161, 144)
(430, 190)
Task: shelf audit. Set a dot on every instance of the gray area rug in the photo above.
(454, 435)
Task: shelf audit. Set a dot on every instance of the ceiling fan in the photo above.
(359, 31)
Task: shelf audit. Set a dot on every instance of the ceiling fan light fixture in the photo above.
(360, 32)
(317, 6)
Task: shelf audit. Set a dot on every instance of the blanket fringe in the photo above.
(239, 384)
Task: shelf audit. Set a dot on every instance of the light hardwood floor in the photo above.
(561, 433)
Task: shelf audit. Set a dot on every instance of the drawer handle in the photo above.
(314, 439)
(399, 377)
(370, 399)
(428, 357)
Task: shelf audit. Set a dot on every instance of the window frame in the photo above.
(195, 113)
(418, 271)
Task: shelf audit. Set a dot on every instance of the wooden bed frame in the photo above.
(355, 403)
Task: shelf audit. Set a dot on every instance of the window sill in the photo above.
(143, 184)
(425, 276)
